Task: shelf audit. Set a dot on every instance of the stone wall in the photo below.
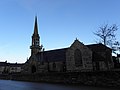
(4, 76)
(56, 66)
(86, 57)
(103, 78)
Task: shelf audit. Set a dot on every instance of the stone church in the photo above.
(76, 58)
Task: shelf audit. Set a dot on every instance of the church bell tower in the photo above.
(35, 47)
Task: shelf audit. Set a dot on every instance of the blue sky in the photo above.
(59, 23)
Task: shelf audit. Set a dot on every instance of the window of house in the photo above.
(78, 58)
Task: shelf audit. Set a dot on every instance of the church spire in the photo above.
(35, 27)
(35, 47)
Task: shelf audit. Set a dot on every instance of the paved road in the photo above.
(19, 85)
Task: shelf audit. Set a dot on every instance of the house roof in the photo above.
(98, 47)
(15, 64)
(3, 64)
(52, 55)
(11, 64)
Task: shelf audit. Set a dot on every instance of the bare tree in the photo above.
(107, 35)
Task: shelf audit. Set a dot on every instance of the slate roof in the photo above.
(15, 64)
(52, 55)
(3, 64)
(11, 64)
(98, 47)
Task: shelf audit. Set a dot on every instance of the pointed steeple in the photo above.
(35, 27)
(35, 47)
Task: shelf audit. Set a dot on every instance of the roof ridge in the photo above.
(57, 49)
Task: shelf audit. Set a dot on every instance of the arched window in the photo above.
(78, 58)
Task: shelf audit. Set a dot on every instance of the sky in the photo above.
(60, 22)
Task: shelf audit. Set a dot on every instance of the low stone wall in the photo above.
(103, 78)
(4, 76)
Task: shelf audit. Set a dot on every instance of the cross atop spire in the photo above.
(35, 27)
